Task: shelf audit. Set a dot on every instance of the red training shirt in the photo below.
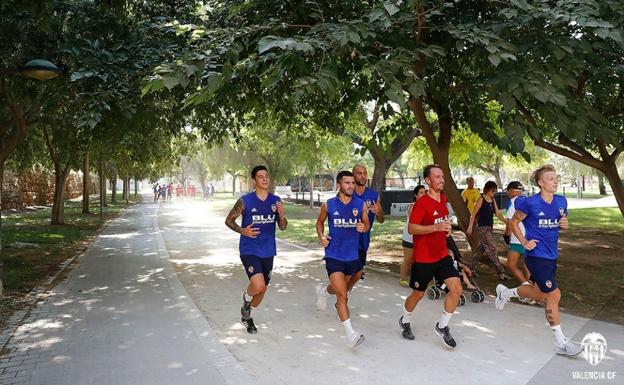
(429, 248)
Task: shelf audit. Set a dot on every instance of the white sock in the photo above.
(444, 319)
(559, 337)
(253, 308)
(248, 298)
(324, 292)
(527, 283)
(407, 316)
(346, 324)
(511, 293)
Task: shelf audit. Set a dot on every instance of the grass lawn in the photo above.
(32, 249)
(602, 218)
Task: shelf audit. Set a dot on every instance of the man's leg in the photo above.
(420, 276)
(338, 287)
(446, 272)
(405, 266)
(513, 258)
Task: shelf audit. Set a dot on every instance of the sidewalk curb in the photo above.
(220, 357)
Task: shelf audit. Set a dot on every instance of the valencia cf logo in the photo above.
(273, 207)
(416, 284)
(548, 284)
(368, 202)
(355, 212)
(250, 269)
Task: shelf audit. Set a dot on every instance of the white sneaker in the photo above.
(321, 298)
(570, 348)
(356, 339)
(501, 299)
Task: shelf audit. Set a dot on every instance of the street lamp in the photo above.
(40, 69)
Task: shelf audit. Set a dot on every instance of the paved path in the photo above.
(297, 344)
(121, 317)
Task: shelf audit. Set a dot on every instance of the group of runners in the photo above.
(350, 215)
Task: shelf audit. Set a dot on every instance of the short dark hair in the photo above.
(417, 190)
(489, 186)
(341, 174)
(427, 169)
(255, 170)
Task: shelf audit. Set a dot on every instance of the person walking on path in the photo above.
(260, 211)
(543, 215)
(373, 205)
(471, 194)
(430, 225)
(514, 191)
(348, 218)
(483, 214)
(408, 239)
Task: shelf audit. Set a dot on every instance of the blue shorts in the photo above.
(346, 267)
(256, 265)
(517, 248)
(543, 272)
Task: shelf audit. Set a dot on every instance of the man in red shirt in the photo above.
(430, 225)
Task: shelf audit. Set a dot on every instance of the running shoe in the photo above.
(447, 339)
(246, 308)
(249, 324)
(356, 339)
(406, 330)
(570, 348)
(501, 300)
(321, 298)
(404, 283)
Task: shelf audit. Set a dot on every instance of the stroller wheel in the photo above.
(481, 295)
(475, 297)
(462, 300)
(431, 293)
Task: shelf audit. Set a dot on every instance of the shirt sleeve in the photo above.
(522, 205)
(418, 212)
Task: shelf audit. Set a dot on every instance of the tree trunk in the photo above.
(126, 189)
(312, 192)
(202, 183)
(85, 183)
(601, 184)
(136, 187)
(113, 182)
(378, 183)
(615, 181)
(102, 187)
(234, 185)
(61, 172)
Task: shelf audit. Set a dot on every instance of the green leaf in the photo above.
(266, 43)
(391, 8)
(375, 14)
(416, 89)
(494, 59)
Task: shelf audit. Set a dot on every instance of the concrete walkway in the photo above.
(298, 344)
(121, 317)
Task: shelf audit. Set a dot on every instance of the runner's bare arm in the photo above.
(381, 217)
(282, 222)
(518, 217)
(230, 220)
(498, 213)
(320, 225)
(364, 225)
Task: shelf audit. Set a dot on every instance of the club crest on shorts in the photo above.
(416, 284)
(355, 212)
(548, 284)
(250, 269)
(273, 207)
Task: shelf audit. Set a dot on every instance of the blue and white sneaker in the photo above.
(501, 298)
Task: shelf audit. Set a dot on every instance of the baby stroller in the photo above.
(437, 288)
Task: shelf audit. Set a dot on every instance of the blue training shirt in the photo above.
(263, 215)
(343, 244)
(542, 223)
(369, 196)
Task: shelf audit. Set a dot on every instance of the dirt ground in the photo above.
(590, 271)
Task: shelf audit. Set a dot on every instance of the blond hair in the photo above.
(537, 174)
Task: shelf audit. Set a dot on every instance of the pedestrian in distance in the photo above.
(516, 252)
(261, 211)
(543, 216)
(430, 225)
(348, 218)
(470, 195)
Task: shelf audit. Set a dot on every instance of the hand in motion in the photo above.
(325, 240)
(530, 245)
(250, 232)
(443, 226)
(360, 227)
(280, 209)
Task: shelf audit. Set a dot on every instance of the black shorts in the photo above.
(348, 268)
(406, 244)
(423, 273)
(256, 265)
(362, 254)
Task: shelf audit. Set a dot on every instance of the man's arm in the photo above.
(381, 217)
(237, 210)
(282, 222)
(364, 225)
(320, 226)
(518, 217)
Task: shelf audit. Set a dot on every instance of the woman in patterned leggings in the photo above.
(484, 211)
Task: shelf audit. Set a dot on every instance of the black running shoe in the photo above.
(246, 308)
(406, 330)
(249, 324)
(448, 340)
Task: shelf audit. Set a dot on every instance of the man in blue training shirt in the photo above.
(260, 210)
(348, 218)
(373, 204)
(542, 215)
